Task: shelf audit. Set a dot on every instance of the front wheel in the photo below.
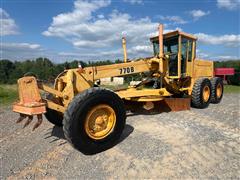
(94, 120)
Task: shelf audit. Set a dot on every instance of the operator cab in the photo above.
(179, 50)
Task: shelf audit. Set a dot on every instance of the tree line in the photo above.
(228, 64)
(45, 69)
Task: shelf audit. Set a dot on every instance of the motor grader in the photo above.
(93, 117)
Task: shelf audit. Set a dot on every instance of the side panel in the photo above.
(202, 68)
(120, 69)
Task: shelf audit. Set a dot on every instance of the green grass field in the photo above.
(9, 94)
(231, 89)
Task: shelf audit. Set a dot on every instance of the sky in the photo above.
(65, 30)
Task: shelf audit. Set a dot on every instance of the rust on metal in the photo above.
(29, 120)
(164, 105)
(21, 118)
(177, 104)
(148, 105)
(39, 122)
(30, 102)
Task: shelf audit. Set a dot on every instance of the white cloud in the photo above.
(173, 19)
(197, 14)
(20, 51)
(225, 40)
(133, 52)
(214, 56)
(8, 25)
(24, 51)
(99, 55)
(92, 33)
(202, 55)
(20, 46)
(134, 1)
(64, 23)
(146, 48)
(226, 57)
(95, 35)
(228, 4)
(165, 30)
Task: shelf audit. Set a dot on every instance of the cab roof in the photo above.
(174, 33)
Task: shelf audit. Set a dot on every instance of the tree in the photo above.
(6, 68)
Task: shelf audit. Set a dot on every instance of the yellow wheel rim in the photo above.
(206, 93)
(100, 121)
(219, 90)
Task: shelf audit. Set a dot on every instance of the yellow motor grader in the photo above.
(93, 117)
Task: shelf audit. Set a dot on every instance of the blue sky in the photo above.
(88, 30)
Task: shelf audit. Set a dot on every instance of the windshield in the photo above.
(170, 46)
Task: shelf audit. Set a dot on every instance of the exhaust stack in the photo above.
(124, 49)
(160, 40)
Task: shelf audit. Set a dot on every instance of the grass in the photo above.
(231, 89)
(8, 94)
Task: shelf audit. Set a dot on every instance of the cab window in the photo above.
(190, 50)
(155, 48)
(171, 45)
(171, 49)
(186, 53)
(187, 48)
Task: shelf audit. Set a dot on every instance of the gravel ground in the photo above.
(188, 144)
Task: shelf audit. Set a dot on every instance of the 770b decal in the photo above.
(126, 70)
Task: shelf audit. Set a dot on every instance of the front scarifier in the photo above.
(30, 102)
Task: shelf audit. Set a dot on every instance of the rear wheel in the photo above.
(94, 120)
(217, 90)
(201, 93)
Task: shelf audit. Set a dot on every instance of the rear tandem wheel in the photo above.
(217, 90)
(201, 93)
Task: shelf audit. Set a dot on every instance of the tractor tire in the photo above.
(217, 90)
(94, 120)
(53, 116)
(201, 93)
